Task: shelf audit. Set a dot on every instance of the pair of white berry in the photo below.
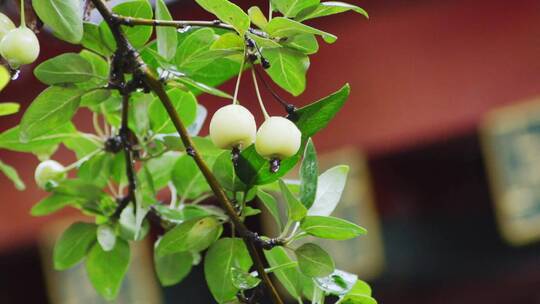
(17, 45)
(233, 126)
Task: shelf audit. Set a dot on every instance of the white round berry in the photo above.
(232, 126)
(278, 137)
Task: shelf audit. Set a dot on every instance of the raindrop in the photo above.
(15, 73)
(184, 29)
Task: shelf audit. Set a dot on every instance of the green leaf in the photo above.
(271, 204)
(224, 171)
(253, 169)
(12, 174)
(106, 269)
(227, 12)
(221, 258)
(138, 112)
(327, 227)
(290, 8)
(93, 40)
(51, 204)
(288, 277)
(161, 167)
(305, 43)
(288, 69)
(316, 116)
(106, 237)
(228, 41)
(329, 189)
(166, 36)
(171, 269)
(329, 8)
(82, 144)
(309, 171)
(338, 283)
(8, 108)
(296, 211)
(97, 169)
(65, 68)
(63, 16)
(314, 261)
(185, 105)
(42, 144)
(145, 188)
(73, 245)
(52, 108)
(137, 35)
(95, 97)
(257, 17)
(188, 179)
(100, 70)
(192, 235)
(360, 288)
(79, 188)
(281, 27)
(191, 56)
(203, 87)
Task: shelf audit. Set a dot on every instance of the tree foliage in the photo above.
(142, 91)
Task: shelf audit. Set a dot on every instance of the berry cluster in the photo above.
(233, 126)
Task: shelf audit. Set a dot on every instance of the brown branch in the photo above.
(140, 72)
(181, 24)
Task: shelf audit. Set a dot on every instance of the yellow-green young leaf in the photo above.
(257, 17)
(4, 77)
(199, 86)
(227, 12)
(228, 41)
(192, 235)
(328, 227)
(288, 277)
(106, 269)
(296, 211)
(12, 174)
(173, 268)
(185, 105)
(316, 116)
(8, 108)
(73, 245)
(65, 68)
(221, 258)
(63, 16)
(290, 8)
(329, 189)
(281, 27)
(357, 299)
(309, 172)
(50, 110)
(52, 203)
(287, 69)
(167, 37)
(313, 261)
(271, 204)
(329, 8)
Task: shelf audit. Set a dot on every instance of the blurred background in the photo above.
(424, 76)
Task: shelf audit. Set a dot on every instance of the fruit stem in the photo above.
(23, 15)
(237, 88)
(266, 116)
